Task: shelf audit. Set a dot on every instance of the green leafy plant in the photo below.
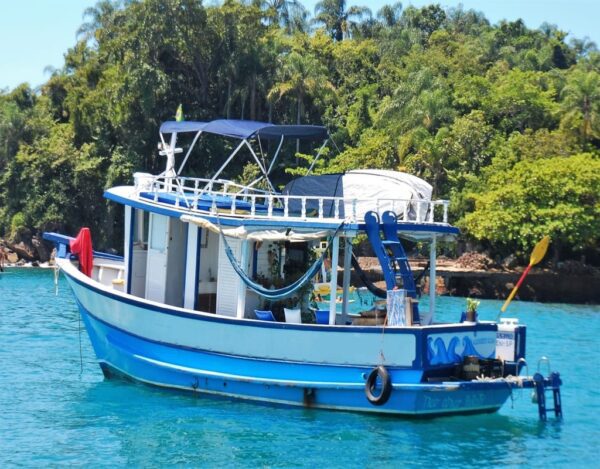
(472, 305)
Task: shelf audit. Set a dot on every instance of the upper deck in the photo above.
(232, 204)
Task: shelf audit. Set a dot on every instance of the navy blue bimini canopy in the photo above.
(246, 129)
(181, 127)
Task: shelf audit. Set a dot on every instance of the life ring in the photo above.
(386, 388)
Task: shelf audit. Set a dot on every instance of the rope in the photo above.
(56, 272)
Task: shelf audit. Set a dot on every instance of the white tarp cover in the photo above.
(373, 189)
(380, 190)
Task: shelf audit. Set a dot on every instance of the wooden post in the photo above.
(333, 284)
(432, 259)
(346, 279)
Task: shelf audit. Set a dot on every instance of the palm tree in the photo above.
(97, 17)
(337, 20)
(581, 101)
(291, 15)
(301, 75)
(389, 15)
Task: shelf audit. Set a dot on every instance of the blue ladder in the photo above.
(399, 260)
(372, 229)
(394, 267)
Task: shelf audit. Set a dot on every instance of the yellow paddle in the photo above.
(539, 251)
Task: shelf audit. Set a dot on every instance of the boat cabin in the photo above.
(204, 243)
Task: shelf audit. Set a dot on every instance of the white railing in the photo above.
(204, 195)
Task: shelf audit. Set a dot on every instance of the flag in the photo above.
(179, 114)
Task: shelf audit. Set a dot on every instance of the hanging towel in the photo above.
(396, 314)
(82, 246)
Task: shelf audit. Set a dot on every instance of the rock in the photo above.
(577, 268)
(12, 258)
(474, 261)
(509, 262)
(41, 249)
(24, 251)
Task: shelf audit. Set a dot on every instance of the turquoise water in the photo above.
(57, 409)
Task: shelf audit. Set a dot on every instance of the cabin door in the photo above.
(156, 277)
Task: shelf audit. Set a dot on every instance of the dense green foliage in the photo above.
(502, 119)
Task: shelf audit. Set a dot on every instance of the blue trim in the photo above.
(254, 260)
(420, 227)
(132, 226)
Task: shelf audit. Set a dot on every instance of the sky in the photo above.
(35, 34)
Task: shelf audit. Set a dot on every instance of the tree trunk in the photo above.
(299, 116)
(228, 102)
(253, 97)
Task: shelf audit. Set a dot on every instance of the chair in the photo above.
(322, 316)
(292, 315)
(264, 315)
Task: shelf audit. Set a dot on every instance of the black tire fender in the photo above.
(386, 382)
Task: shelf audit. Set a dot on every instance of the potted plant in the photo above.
(471, 313)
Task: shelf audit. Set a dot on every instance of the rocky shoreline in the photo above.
(471, 275)
(27, 252)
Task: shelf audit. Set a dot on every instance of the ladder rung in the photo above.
(387, 242)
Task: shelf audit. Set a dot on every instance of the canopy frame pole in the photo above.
(317, 157)
(335, 252)
(187, 155)
(262, 168)
(224, 165)
(261, 177)
(164, 148)
(346, 279)
(432, 277)
(170, 168)
(276, 155)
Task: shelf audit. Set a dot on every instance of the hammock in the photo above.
(281, 292)
(378, 292)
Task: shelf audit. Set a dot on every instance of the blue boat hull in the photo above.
(281, 382)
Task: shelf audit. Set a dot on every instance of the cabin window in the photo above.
(140, 234)
(159, 228)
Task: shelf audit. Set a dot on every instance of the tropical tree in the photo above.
(290, 15)
(389, 15)
(301, 76)
(581, 103)
(559, 198)
(337, 19)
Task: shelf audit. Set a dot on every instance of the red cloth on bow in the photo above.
(82, 246)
